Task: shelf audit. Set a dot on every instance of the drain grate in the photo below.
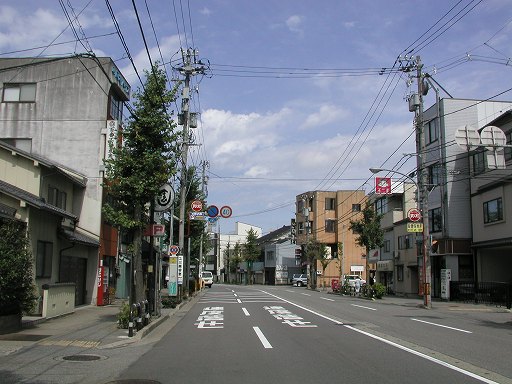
(82, 358)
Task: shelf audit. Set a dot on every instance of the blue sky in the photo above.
(293, 100)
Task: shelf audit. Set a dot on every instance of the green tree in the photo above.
(17, 290)
(251, 251)
(236, 256)
(368, 231)
(143, 159)
(314, 251)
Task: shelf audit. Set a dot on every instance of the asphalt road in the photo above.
(289, 335)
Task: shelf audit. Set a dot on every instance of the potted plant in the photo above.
(16, 275)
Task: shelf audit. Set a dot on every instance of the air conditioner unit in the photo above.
(396, 254)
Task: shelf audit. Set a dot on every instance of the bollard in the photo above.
(146, 310)
(130, 323)
(139, 317)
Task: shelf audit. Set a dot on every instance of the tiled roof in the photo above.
(80, 238)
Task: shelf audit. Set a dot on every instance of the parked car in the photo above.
(351, 280)
(300, 280)
(207, 278)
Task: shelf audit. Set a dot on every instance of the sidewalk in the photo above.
(87, 326)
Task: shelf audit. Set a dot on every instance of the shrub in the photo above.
(123, 317)
(169, 302)
(17, 290)
(380, 290)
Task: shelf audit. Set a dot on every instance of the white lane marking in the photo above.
(289, 290)
(262, 337)
(246, 312)
(360, 306)
(325, 298)
(235, 295)
(305, 294)
(240, 301)
(422, 355)
(440, 325)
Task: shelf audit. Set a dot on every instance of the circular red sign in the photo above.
(414, 214)
(197, 205)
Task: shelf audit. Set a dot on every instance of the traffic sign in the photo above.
(164, 199)
(414, 214)
(226, 211)
(197, 205)
(212, 211)
(174, 249)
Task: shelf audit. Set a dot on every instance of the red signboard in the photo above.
(383, 185)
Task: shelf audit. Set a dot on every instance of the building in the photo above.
(62, 109)
(491, 209)
(324, 216)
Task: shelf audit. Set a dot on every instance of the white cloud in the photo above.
(327, 114)
(294, 22)
(205, 11)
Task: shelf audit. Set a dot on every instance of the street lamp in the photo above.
(423, 200)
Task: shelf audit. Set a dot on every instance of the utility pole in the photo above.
(190, 67)
(205, 165)
(423, 186)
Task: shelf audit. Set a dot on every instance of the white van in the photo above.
(207, 278)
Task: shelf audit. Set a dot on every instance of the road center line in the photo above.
(262, 337)
(325, 298)
(396, 345)
(289, 290)
(305, 294)
(246, 312)
(440, 325)
(360, 306)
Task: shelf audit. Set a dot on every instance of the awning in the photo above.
(79, 238)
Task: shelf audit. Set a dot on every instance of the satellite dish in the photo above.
(467, 138)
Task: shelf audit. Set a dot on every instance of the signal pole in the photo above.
(190, 67)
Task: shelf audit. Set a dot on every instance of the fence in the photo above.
(482, 292)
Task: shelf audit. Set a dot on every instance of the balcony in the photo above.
(391, 217)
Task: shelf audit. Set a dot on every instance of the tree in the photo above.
(16, 269)
(251, 252)
(314, 251)
(368, 231)
(236, 256)
(143, 159)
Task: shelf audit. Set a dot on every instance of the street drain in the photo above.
(82, 358)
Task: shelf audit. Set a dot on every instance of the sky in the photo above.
(298, 95)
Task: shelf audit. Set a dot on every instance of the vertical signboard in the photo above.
(180, 269)
(446, 277)
(173, 276)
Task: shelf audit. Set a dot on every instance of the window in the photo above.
(434, 174)
(430, 132)
(24, 93)
(330, 226)
(330, 204)
(405, 242)
(381, 206)
(56, 197)
(493, 210)
(400, 272)
(508, 151)
(300, 227)
(478, 162)
(116, 108)
(435, 220)
(44, 259)
(387, 245)
(269, 256)
(356, 207)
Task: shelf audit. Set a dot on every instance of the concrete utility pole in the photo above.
(204, 179)
(190, 68)
(423, 186)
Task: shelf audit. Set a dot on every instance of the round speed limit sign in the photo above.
(226, 211)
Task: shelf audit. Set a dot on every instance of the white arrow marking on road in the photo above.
(439, 325)
(360, 306)
(246, 312)
(262, 337)
(325, 298)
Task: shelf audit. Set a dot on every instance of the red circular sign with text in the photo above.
(197, 205)
(414, 214)
(226, 211)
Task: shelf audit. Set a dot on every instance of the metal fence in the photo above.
(492, 293)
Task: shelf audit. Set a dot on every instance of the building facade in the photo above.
(63, 109)
(324, 216)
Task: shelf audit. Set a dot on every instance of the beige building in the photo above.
(325, 216)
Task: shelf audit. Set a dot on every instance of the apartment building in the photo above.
(62, 109)
(325, 216)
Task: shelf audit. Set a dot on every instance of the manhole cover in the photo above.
(83, 358)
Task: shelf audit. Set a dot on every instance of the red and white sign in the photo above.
(197, 205)
(383, 185)
(226, 211)
(174, 249)
(414, 214)
(158, 230)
